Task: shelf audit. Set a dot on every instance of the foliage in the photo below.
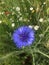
(16, 13)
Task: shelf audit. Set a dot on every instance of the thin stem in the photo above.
(7, 55)
(33, 63)
(29, 2)
(43, 36)
(43, 54)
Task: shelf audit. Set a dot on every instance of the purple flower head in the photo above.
(23, 36)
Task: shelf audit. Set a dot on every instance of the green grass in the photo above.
(38, 52)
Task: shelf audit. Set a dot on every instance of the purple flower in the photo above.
(23, 36)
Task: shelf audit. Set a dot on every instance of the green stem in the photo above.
(43, 54)
(33, 62)
(29, 2)
(8, 55)
(43, 36)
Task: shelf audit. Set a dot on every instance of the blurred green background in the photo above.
(16, 13)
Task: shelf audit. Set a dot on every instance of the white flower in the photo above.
(0, 21)
(28, 20)
(2, 2)
(13, 24)
(13, 13)
(30, 26)
(41, 20)
(37, 9)
(18, 16)
(44, 3)
(25, 19)
(11, 19)
(17, 8)
(36, 27)
(19, 13)
(41, 35)
(31, 8)
(20, 19)
(1, 13)
(13, 7)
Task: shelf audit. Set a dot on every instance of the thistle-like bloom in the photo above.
(23, 36)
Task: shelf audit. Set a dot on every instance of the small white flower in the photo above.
(41, 20)
(2, 2)
(31, 8)
(13, 7)
(18, 16)
(25, 19)
(28, 20)
(17, 8)
(18, 12)
(36, 27)
(13, 13)
(0, 21)
(11, 19)
(20, 19)
(30, 26)
(37, 9)
(44, 3)
(1, 13)
(13, 24)
(41, 35)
